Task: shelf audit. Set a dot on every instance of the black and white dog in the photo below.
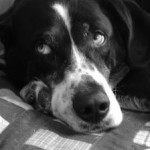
(71, 54)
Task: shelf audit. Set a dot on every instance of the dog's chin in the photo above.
(89, 128)
(107, 124)
(69, 117)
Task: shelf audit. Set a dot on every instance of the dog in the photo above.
(73, 58)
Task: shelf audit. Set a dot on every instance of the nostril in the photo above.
(103, 107)
(93, 112)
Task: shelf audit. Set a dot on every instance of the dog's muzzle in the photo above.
(90, 102)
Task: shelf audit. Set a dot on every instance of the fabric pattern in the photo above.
(142, 137)
(51, 141)
(3, 124)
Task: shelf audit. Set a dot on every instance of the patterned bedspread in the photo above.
(22, 128)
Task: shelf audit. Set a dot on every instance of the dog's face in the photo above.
(71, 47)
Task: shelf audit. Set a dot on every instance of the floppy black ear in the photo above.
(132, 24)
(139, 50)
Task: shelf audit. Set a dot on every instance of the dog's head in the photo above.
(74, 48)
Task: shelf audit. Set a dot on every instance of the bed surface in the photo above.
(22, 128)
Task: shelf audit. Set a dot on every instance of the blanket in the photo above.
(23, 128)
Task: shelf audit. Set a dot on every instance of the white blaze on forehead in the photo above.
(63, 12)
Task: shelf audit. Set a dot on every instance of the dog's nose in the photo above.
(91, 107)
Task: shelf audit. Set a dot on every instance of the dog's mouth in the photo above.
(76, 115)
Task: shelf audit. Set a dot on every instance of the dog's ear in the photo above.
(133, 25)
(139, 50)
(120, 18)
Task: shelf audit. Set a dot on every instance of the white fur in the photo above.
(64, 92)
(63, 12)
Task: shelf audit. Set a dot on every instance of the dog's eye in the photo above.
(44, 49)
(98, 39)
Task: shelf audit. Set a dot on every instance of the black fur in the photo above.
(127, 46)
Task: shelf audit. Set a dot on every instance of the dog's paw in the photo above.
(29, 92)
(38, 95)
